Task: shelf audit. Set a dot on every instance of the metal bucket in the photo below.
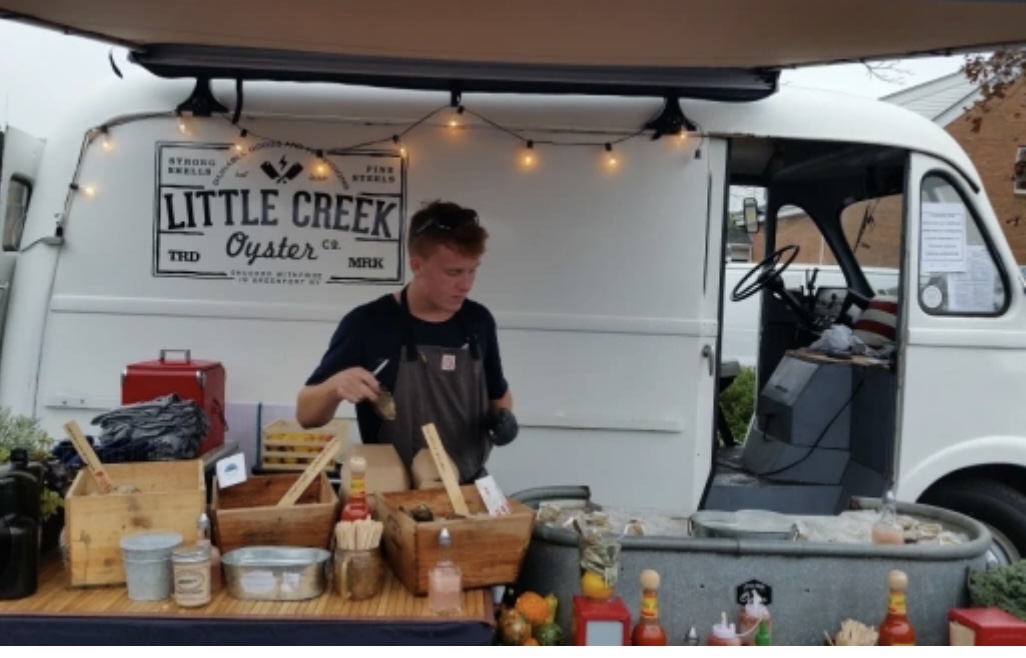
(148, 570)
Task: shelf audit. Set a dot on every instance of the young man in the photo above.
(439, 349)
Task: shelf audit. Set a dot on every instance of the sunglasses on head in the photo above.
(448, 222)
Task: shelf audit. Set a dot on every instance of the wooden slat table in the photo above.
(62, 614)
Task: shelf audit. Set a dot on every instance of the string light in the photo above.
(321, 169)
(398, 143)
(454, 121)
(527, 159)
(105, 142)
(528, 156)
(611, 160)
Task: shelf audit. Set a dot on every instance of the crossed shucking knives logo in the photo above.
(284, 172)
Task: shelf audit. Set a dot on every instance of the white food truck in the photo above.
(231, 201)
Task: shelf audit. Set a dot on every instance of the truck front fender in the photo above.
(982, 451)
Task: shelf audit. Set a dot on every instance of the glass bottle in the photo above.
(204, 542)
(356, 507)
(445, 580)
(648, 632)
(896, 630)
(887, 530)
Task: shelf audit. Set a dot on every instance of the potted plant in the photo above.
(18, 431)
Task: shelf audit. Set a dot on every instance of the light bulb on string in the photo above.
(398, 143)
(527, 158)
(105, 142)
(321, 168)
(240, 144)
(88, 190)
(611, 160)
(454, 120)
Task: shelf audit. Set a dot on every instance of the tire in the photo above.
(995, 504)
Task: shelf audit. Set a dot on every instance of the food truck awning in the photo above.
(729, 49)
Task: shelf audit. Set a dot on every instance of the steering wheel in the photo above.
(768, 271)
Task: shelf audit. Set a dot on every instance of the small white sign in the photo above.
(493, 497)
(231, 470)
(943, 238)
(448, 362)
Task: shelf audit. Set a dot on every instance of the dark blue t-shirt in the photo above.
(370, 333)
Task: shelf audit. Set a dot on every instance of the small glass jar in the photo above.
(191, 565)
(359, 575)
(599, 549)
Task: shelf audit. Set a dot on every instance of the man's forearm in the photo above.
(316, 405)
(505, 402)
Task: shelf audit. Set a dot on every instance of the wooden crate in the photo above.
(489, 549)
(245, 514)
(286, 446)
(172, 497)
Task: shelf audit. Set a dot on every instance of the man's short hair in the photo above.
(445, 223)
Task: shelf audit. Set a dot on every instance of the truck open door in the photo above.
(20, 154)
(963, 355)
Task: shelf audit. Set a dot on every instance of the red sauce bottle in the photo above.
(648, 632)
(356, 507)
(896, 630)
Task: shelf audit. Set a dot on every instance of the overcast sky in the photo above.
(43, 72)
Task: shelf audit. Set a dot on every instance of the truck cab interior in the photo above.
(824, 426)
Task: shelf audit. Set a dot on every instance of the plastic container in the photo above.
(723, 634)
(147, 559)
(752, 615)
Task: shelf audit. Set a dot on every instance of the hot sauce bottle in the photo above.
(896, 631)
(356, 507)
(648, 632)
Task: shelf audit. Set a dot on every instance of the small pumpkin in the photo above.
(533, 607)
(514, 628)
(549, 634)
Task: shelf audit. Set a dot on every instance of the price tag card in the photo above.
(493, 497)
(231, 470)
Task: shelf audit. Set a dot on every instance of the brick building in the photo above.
(950, 102)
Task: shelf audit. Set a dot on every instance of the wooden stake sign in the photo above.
(92, 462)
(444, 466)
(327, 454)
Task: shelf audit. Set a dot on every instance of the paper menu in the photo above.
(974, 290)
(943, 237)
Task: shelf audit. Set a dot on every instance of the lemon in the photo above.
(593, 586)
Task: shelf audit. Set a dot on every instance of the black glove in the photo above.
(502, 427)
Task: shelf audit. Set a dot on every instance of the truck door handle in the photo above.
(708, 353)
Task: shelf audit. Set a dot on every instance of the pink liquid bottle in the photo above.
(445, 580)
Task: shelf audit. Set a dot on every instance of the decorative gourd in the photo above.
(514, 629)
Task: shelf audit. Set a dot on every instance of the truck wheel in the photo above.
(995, 504)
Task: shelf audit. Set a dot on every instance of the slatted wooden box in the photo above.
(172, 496)
(490, 550)
(246, 514)
(285, 446)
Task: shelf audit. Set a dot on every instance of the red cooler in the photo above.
(200, 381)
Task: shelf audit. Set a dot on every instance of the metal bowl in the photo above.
(276, 573)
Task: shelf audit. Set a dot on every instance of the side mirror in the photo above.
(751, 215)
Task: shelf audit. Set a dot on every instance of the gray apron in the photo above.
(445, 386)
